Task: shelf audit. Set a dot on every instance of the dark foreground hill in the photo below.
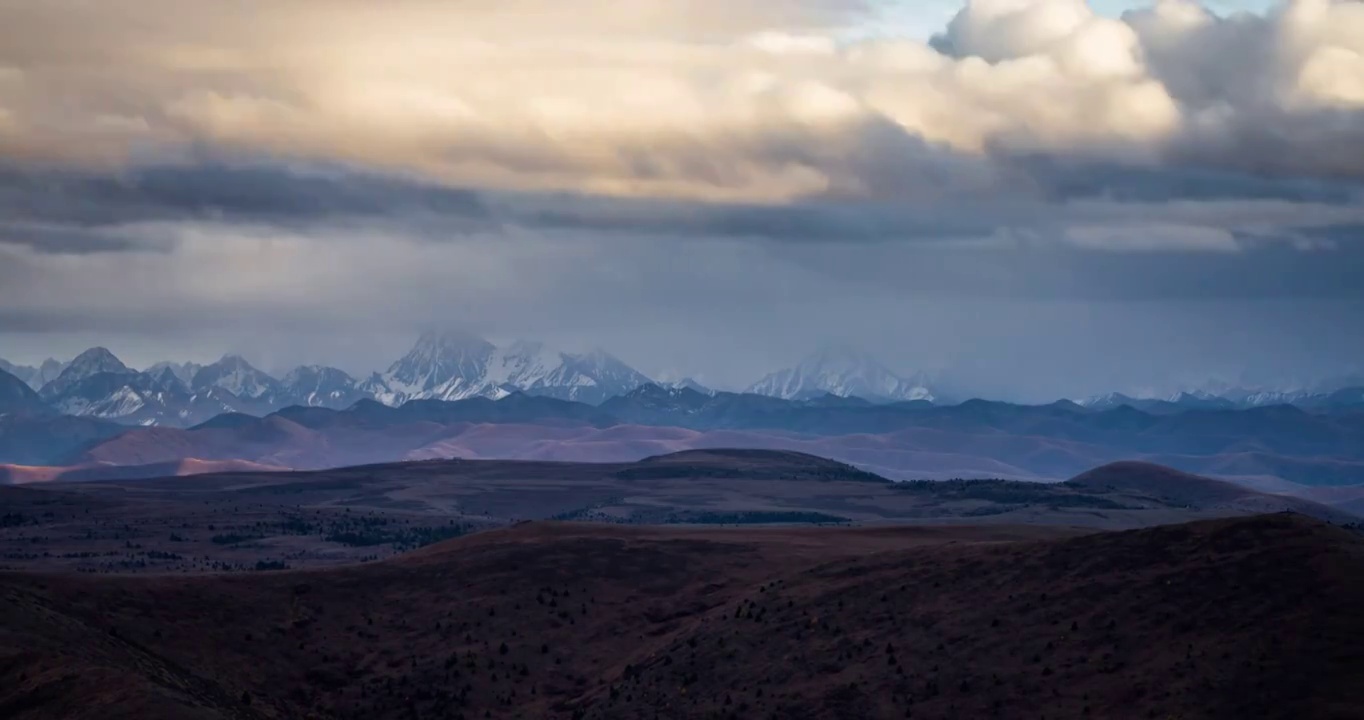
(1251, 617)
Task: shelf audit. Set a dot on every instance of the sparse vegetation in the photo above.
(557, 621)
(233, 539)
(1008, 494)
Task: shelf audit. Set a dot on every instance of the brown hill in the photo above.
(26, 474)
(277, 441)
(1251, 617)
(907, 454)
(1173, 487)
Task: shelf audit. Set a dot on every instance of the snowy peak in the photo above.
(653, 394)
(1196, 400)
(455, 366)
(139, 398)
(673, 380)
(535, 369)
(1108, 401)
(609, 369)
(90, 363)
(439, 364)
(320, 386)
(689, 384)
(237, 376)
(842, 372)
(522, 364)
(1202, 401)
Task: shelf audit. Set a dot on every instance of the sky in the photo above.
(1027, 199)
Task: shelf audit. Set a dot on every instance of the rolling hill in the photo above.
(1172, 487)
(1251, 617)
(27, 474)
(985, 440)
(231, 516)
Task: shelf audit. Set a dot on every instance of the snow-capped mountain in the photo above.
(237, 376)
(1113, 400)
(455, 366)
(1176, 403)
(319, 386)
(1224, 397)
(97, 384)
(132, 397)
(440, 366)
(591, 378)
(90, 363)
(687, 384)
(842, 372)
(1202, 401)
(184, 371)
(1109, 401)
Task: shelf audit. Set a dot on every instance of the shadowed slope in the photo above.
(25, 474)
(1173, 487)
(1222, 619)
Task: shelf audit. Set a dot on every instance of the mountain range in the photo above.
(446, 366)
(34, 377)
(1238, 399)
(457, 366)
(454, 366)
(844, 373)
(1276, 449)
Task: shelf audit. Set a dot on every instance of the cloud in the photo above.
(1152, 236)
(957, 202)
(256, 192)
(1020, 321)
(659, 101)
(705, 168)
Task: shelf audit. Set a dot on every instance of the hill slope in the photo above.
(1172, 487)
(1236, 618)
(26, 474)
(902, 441)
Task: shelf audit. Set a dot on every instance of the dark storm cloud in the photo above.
(288, 260)
(1060, 178)
(807, 222)
(70, 211)
(76, 240)
(232, 193)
